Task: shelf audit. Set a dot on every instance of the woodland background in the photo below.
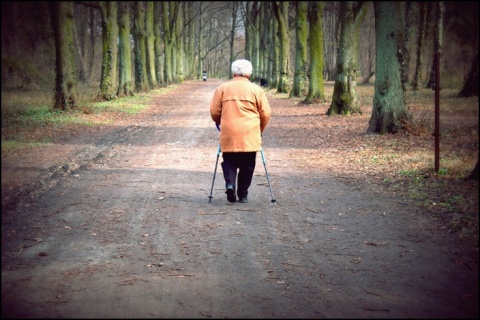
(191, 36)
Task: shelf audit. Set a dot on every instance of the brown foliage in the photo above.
(400, 163)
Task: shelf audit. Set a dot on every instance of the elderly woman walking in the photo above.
(241, 109)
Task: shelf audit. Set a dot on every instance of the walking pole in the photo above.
(266, 173)
(214, 173)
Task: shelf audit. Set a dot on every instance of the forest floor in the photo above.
(115, 221)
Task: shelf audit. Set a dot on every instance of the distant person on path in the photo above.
(241, 109)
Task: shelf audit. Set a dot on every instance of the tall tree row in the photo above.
(160, 43)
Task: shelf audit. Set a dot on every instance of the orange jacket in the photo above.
(242, 110)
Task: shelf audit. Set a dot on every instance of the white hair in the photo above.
(242, 67)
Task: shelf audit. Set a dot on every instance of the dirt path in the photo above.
(125, 230)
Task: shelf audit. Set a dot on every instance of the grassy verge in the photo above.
(29, 121)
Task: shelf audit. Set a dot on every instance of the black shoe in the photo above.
(243, 200)
(231, 194)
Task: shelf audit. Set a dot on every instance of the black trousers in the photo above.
(244, 162)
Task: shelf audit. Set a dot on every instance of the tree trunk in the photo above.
(274, 57)
(301, 28)
(190, 56)
(139, 35)
(432, 30)
(61, 15)
(315, 73)
(345, 98)
(280, 9)
(169, 17)
(256, 39)
(406, 43)
(234, 11)
(251, 31)
(178, 42)
(270, 81)
(159, 60)
(331, 35)
(81, 45)
(125, 83)
(389, 109)
(417, 77)
(470, 85)
(91, 26)
(475, 175)
(150, 44)
(201, 67)
(263, 43)
(108, 80)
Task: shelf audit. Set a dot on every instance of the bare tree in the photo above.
(178, 44)
(150, 44)
(315, 73)
(252, 35)
(366, 46)
(435, 19)
(417, 77)
(406, 43)
(301, 29)
(125, 81)
(470, 85)
(331, 36)
(170, 13)
(389, 109)
(108, 79)
(345, 98)
(139, 37)
(190, 40)
(280, 8)
(66, 94)
(158, 28)
(81, 45)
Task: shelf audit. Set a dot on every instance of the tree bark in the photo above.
(406, 43)
(150, 44)
(474, 175)
(251, 30)
(159, 59)
(178, 43)
(139, 37)
(435, 14)
(280, 9)
(331, 36)
(125, 83)
(301, 28)
(470, 85)
(389, 109)
(108, 79)
(345, 97)
(169, 17)
(61, 15)
(234, 11)
(315, 74)
(417, 77)
(190, 45)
